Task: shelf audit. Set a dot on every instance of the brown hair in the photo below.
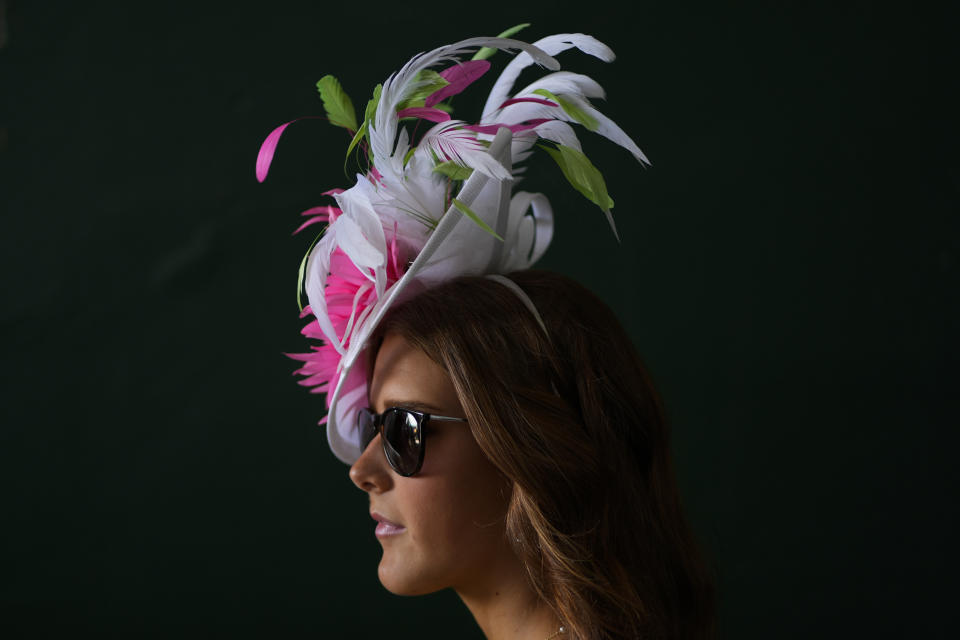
(571, 418)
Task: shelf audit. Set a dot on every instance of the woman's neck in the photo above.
(504, 605)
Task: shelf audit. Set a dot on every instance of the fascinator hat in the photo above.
(435, 199)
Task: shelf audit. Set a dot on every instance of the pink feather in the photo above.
(326, 210)
(491, 129)
(537, 100)
(320, 214)
(460, 76)
(433, 115)
(269, 147)
(313, 220)
(320, 365)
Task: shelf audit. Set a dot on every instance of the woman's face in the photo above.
(451, 513)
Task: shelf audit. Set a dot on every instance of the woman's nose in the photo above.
(371, 472)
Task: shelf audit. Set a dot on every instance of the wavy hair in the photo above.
(571, 417)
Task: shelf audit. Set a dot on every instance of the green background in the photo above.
(788, 269)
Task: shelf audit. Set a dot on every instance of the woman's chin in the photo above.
(405, 580)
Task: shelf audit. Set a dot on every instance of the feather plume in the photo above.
(318, 266)
(560, 132)
(460, 76)
(551, 45)
(608, 128)
(572, 90)
(383, 129)
(451, 142)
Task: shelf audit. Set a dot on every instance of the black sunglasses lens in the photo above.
(366, 427)
(403, 440)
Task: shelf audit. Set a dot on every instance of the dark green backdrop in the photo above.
(789, 270)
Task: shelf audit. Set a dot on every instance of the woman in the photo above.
(546, 499)
(555, 504)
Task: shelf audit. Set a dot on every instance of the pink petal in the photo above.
(328, 210)
(393, 249)
(537, 100)
(460, 76)
(312, 330)
(332, 192)
(433, 115)
(313, 220)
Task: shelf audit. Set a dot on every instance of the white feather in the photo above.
(560, 132)
(531, 229)
(360, 235)
(361, 252)
(609, 129)
(318, 266)
(418, 200)
(555, 130)
(565, 82)
(523, 111)
(450, 142)
(552, 45)
(561, 82)
(389, 199)
(398, 86)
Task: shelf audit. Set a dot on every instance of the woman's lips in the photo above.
(386, 528)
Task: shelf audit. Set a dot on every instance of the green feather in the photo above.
(362, 131)
(368, 116)
(337, 103)
(372, 103)
(467, 211)
(571, 109)
(408, 155)
(485, 52)
(431, 83)
(453, 170)
(584, 177)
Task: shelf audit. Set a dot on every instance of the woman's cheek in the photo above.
(437, 511)
(427, 556)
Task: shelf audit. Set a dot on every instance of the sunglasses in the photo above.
(403, 436)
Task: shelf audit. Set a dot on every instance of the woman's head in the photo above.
(566, 469)
(449, 517)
